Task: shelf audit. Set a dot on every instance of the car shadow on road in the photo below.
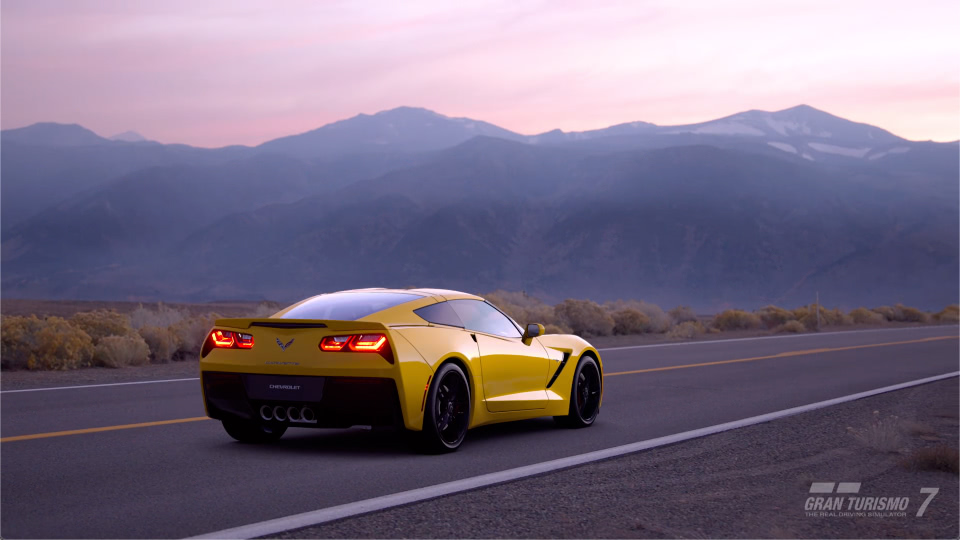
(379, 442)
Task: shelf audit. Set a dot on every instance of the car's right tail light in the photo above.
(371, 343)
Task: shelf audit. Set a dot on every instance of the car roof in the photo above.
(440, 294)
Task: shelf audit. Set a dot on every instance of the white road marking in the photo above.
(98, 385)
(734, 340)
(324, 515)
(599, 349)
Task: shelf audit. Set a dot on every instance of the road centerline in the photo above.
(100, 429)
(785, 354)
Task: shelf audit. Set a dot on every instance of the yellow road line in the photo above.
(666, 368)
(780, 355)
(99, 429)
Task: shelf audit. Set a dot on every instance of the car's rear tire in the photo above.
(247, 431)
(447, 411)
(584, 395)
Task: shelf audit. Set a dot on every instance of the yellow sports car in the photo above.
(432, 361)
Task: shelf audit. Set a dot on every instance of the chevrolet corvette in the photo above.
(434, 362)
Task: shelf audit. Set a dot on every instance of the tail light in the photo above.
(368, 343)
(375, 343)
(334, 343)
(225, 339)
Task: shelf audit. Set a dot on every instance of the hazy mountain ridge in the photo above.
(699, 217)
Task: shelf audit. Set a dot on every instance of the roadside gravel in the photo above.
(747, 483)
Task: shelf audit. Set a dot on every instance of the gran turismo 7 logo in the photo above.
(846, 502)
(283, 346)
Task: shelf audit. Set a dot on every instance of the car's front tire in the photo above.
(252, 432)
(447, 411)
(584, 395)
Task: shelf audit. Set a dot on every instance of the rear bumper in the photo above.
(338, 402)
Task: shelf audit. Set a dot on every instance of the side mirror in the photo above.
(533, 330)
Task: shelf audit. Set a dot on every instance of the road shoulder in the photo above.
(752, 482)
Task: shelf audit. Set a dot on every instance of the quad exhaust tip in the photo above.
(280, 413)
(266, 412)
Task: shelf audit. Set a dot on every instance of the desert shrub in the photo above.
(836, 317)
(828, 317)
(682, 314)
(887, 312)
(120, 351)
(163, 343)
(163, 316)
(790, 327)
(554, 329)
(773, 316)
(18, 340)
(263, 311)
(735, 319)
(686, 330)
(800, 313)
(629, 321)
(585, 318)
(862, 315)
(191, 332)
(911, 314)
(949, 314)
(52, 343)
(523, 308)
(881, 434)
(934, 458)
(102, 323)
(659, 321)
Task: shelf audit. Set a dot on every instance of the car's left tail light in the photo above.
(226, 339)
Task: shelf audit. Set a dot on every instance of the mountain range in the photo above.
(754, 208)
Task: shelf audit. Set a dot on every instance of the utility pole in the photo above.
(818, 311)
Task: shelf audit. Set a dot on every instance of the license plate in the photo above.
(284, 388)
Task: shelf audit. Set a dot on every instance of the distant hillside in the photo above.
(711, 215)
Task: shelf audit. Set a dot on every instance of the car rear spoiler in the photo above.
(336, 326)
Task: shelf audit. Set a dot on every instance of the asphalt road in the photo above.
(188, 478)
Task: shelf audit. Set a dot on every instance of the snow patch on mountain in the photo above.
(839, 150)
(721, 128)
(897, 150)
(783, 146)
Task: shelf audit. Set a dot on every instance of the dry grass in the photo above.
(682, 314)
(862, 315)
(585, 318)
(686, 330)
(934, 458)
(949, 314)
(102, 323)
(882, 434)
(52, 343)
(791, 327)
(163, 343)
(774, 316)
(629, 321)
(121, 351)
(735, 319)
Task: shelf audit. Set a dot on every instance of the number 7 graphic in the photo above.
(932, 493)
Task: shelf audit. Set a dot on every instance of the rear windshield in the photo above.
(347, 306)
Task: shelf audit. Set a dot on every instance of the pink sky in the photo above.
(214, 73)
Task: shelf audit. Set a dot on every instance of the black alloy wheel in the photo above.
(584, 395)
(447, 414)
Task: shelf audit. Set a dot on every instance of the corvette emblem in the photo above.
(282, 346)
